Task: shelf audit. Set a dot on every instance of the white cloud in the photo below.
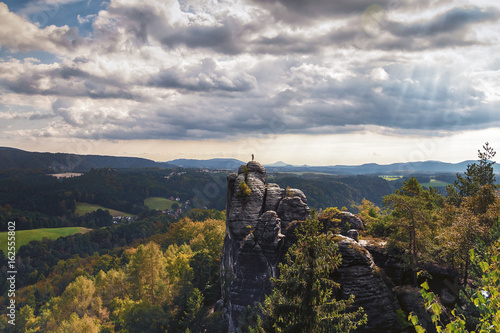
(86, 19)
(17, 34)
(379, 74)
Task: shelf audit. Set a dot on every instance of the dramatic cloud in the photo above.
(201, 70)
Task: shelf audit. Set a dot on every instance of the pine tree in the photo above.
(413, 220)
(303, 299)
(477, 174)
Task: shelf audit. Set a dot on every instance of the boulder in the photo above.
(353, 234)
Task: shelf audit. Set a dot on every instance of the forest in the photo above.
(162, 274)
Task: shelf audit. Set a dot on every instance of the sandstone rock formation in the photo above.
(359, 276)
(259, 231)
(252, 245)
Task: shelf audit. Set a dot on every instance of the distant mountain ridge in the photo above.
(373, 168)
(13, 158)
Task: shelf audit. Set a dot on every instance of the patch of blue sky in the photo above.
(59, 14)
(16, 5)
(42, 56)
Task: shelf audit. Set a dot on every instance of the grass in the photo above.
(158, 203)
(391, 178)
(83, 208)
(435, 183)
(25, 236)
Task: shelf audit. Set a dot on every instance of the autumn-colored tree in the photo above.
(470, 223)
(26, 320)
(76, 324)
(376, 220)
(111, 284)
(147, 271)
(78, 299)
(462, 236)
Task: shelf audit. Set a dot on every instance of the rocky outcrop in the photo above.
(343, 221)
(253, 241)
(260, 222)
(359, 276)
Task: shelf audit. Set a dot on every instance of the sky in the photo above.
(316, 82)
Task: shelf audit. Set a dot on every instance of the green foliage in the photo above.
(197, 214)
(192, 318)
(26, 320)
(245, 172)
(415, 220)
(303, 299)
(477, 174)
(143, 317)
(77, 324)
(324, 191)
(376, 221)
(329, 213)
(244, 191)
(144, 289)
(486, 300)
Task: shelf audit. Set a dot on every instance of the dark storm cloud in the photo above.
(224, 39)
(455, 20)
(446, 30)
(413, 100)
(204, 77)
(301, 11)
(65, 81)
(228, 36)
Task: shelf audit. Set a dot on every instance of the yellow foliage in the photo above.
(244, 191)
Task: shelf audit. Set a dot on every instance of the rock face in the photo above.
(259, 231)
(253, 241)
(359, 276)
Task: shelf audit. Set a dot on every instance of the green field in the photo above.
(84, 208)
(25, 236)
(158, 203)
(391, 178)
(435, 183)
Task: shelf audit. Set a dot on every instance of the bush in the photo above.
(245, 191)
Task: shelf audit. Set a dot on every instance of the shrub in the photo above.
(245, 191)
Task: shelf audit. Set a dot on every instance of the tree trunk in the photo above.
(414, 254)
(466, 273)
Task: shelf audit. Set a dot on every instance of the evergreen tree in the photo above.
(477, 174)
(303, 299)
(414, 220)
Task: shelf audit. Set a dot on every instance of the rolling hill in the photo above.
(11, 158)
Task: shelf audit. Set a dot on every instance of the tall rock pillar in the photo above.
(253, 237)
